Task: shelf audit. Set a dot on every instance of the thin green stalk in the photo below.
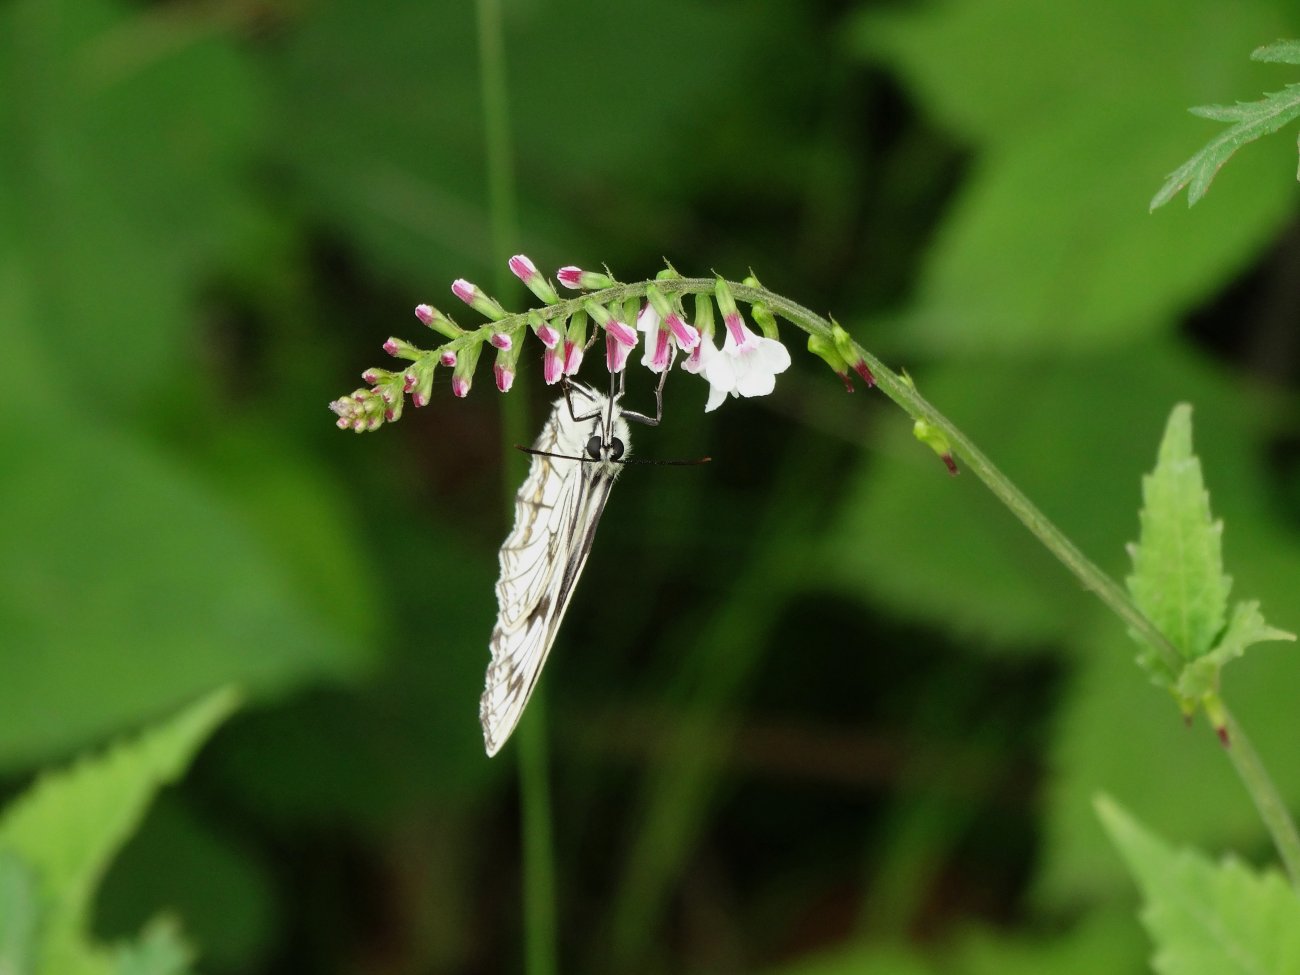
(1265, 795)
(540, 951)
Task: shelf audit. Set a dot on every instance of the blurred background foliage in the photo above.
(817, 708)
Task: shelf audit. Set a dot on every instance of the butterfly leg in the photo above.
(659, 401)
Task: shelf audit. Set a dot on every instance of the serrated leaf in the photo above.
(1252, 120)
(1178, 579)
(1207, 919)
(20, 915)
(70, 824)
(1283, 52)
(1246, 628)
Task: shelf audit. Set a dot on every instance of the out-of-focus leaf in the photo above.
(128, 586)
(70, 824)
(160, 951)
(1075, 109)
(126, 134)
(1178, 579)
(199, 871)
(1117, 733)
(1206, 919)
(20, 915)
(1107, 941)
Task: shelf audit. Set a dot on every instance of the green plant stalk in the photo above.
(540, 943)
(1266, 797)
(1251, 771)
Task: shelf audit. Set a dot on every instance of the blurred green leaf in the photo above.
(131, 586)
(1074, 108)
(1207, 919)
(160, 951)
(1105, 941)
(20, 915)
(69, 825)
(1117, 733)
(203, 871)
(120, 178)
(1178, 579)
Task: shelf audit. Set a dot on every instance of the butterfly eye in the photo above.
(593, 448)
(615, 449)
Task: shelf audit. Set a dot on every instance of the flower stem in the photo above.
(540, 951)
(1266, 797)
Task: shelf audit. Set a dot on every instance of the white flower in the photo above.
(746, 365)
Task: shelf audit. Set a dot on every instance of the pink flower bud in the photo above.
(522, 268)
(424, 313)
(460, 386)
(570, 277)
(408, 382)
(370, 376)
(465, 291)
(687, 336)
(500, 340)
(575, 278)
(420, 400)
(505, 377)
(552, 366)
(622, 333)
(572, 358)
(616, 352)
(549, 335)
(391, 347)
(448, 358)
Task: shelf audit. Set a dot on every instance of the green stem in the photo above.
(540, 951)
(1265, 795)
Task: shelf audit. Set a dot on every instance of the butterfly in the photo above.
(576, 459)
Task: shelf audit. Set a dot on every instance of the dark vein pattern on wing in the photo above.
(556, 512)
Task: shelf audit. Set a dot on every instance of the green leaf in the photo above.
(1048, 245)
(129, 584)
(1207, 919)
(69, 825)
(1252, 120)
(1178, 578)
(20, 915)
(160, 951)
(1247, 627)
(1282, 52)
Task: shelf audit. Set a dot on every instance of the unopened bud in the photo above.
(576, 279)
(527, 272)
(476, 299)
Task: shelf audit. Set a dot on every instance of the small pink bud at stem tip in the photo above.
(459, 386)
(370, 377)
(391, 347)
(463, 290)
(408, 382)
(448, 359)
(552, 367)
(570, 277)
(950, 464)
(500, 340)
(424, 313)
(388, 414)
(420, 400)
(522, 268)
(572, 358)
(549, 336)
(505, 378)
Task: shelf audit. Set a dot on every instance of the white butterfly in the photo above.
(576, 458)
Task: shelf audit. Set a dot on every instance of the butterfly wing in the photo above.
(556, 512)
